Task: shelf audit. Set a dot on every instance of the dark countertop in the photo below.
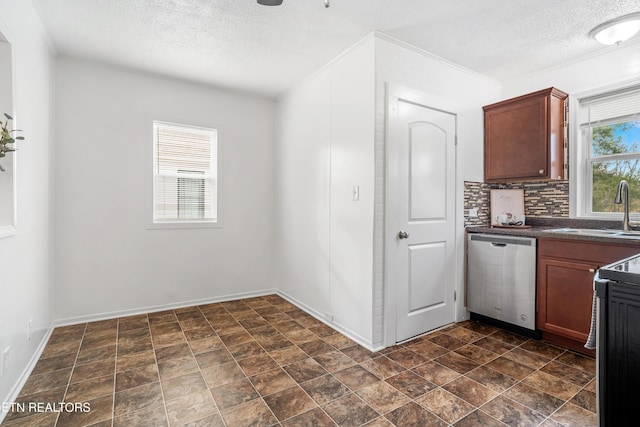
(540, 229)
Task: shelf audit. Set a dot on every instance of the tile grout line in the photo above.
(226, 347)
(142, 385)
(281, 368)
(200, 368)
(453, 350)
(381, 415)
(296, 383)
(115, 375)
(555, 358)
(243, 311)
(155, 357)
(546, 417)
(197, 364)
(499, 355)
(266, 352)
(75, 363)
(501, 394)
(476, 408)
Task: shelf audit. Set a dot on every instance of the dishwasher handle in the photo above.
(499, 245)
(497, 240)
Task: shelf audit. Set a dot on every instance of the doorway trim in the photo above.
(407, 94)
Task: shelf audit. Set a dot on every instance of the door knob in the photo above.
(403, 235)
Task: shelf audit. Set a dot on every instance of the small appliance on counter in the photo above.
(507, 208)
(618, 341)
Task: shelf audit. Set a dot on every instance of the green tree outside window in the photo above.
(615, 139)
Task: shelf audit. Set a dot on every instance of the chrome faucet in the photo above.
(622, 195)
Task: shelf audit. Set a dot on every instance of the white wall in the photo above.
(613, 68)
(353, 164)
(331, 138)
(325, 148)
(613, 65)
(303, 153)
(25, 257)
(107, 261)
(421, 76)
(6, 106)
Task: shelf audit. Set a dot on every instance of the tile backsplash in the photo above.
(541, 199)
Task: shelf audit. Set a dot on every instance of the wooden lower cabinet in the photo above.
(565, 287)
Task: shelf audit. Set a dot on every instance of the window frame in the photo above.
(151, 222)
(581, 159)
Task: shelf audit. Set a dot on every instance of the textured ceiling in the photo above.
(267, 50)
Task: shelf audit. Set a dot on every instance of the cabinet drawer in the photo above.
(598, 253)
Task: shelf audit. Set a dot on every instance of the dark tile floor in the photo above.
(264, 362)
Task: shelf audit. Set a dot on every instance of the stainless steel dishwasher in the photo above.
(501, 279)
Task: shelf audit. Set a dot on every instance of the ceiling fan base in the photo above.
(270, 2)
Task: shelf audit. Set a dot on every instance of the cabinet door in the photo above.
(516, 140)
(565, 297)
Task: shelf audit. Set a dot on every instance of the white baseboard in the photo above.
(154, 308)
(334, 325)
(13, 394)
(24, 376)
(150, 309)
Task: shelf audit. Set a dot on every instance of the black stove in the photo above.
(618, 347)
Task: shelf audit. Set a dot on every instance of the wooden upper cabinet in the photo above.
(524, 137)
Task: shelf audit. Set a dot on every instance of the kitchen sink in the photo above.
(598, 232)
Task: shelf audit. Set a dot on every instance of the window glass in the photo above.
(615, 156)
(185, 173)
(608, 151)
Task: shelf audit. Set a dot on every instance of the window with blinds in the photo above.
(610, 132)
(185, 173)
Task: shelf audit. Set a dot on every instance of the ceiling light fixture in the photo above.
(279, 2)
(617, 30)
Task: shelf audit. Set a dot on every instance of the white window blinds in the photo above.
(609, 140)
(185, 173)
(613, 107)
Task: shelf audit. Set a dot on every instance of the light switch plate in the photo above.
(356, 193)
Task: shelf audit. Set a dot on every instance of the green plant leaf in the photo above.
(8, 116)
(20, 138)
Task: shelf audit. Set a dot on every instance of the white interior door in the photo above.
(421, 219)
